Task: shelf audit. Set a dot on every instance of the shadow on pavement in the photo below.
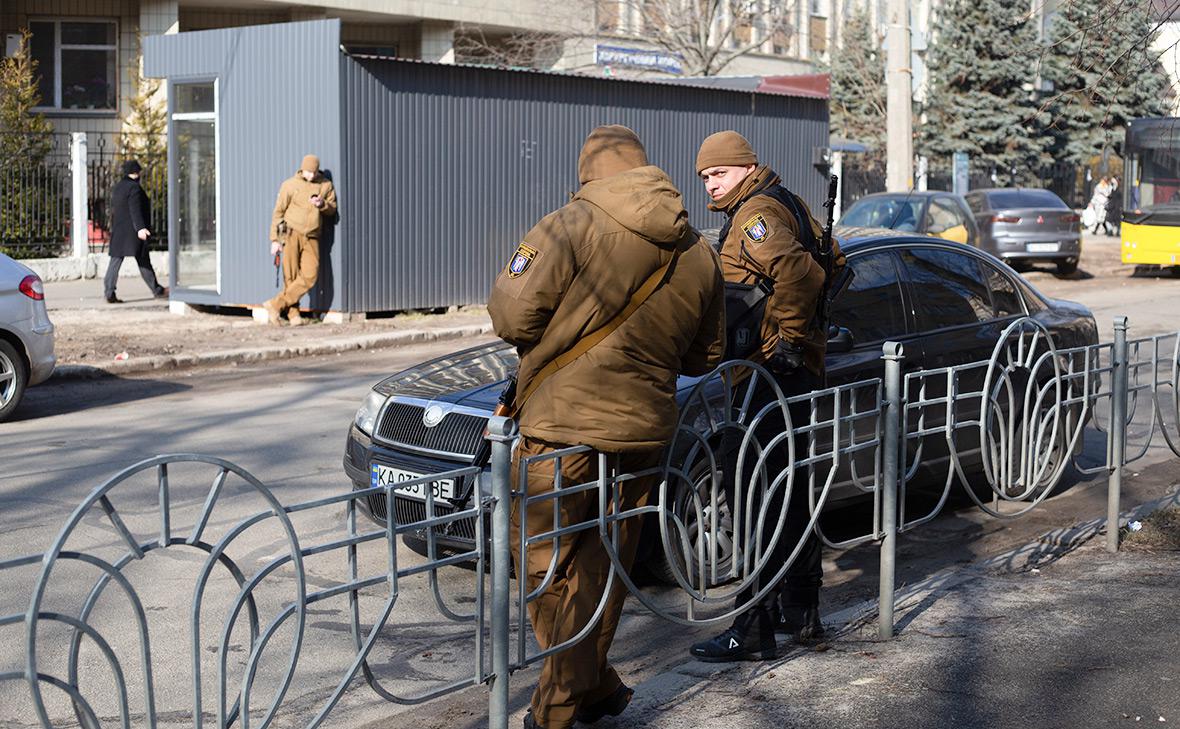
(1151, 271)
(60, 398)
(1077, 275)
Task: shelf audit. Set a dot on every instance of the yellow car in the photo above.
(940, 214)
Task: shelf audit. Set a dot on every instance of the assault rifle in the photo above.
(832, 288)
(483, 456)
(282, 230)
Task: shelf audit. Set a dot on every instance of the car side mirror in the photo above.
(839, 340)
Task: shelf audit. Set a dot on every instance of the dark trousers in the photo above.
(145, 269)
(800, 586)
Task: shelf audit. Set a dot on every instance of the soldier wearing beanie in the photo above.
(304, 200)
(769, 236)
(615, 272)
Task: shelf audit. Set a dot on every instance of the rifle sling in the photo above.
(584, 344)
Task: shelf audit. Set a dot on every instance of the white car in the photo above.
(26, 334)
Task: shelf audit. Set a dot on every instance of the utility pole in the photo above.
(899, 125)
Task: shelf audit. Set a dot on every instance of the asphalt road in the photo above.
(285, 423)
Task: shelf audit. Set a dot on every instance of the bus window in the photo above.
(1152, 174)
(1154, 177)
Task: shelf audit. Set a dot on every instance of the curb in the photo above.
(288, 351)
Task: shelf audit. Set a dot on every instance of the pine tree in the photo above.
(146, 125)
(1104, 74)
(30, 213)
(144, 138)
(24, 134)
(982, 65)
(858, 85)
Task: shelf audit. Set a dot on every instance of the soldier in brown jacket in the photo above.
(575, 271)
(765, 238)
(304, 201)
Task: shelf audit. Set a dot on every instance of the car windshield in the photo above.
(1007, 199)
(897, 213)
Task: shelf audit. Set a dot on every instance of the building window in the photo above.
(76, 60)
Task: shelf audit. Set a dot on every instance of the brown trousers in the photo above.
(301, 266)
(580, 674)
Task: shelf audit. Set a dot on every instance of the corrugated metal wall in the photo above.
(278, 99)
(440, 169)
(448, 167)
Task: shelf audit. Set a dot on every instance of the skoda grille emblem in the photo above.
(433, 416)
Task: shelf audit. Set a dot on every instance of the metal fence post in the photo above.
(501, 432)
(1120, 356)
(893, 354)
(79, 197)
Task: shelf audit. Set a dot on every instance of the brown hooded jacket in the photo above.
(764, 241)
(293, 205)
(576, 269)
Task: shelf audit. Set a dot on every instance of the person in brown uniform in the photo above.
(771, 235)
(304, 200)
(579, 271)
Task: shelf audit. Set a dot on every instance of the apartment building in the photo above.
(87, 49)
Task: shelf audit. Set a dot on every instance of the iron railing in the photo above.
(1003, 429)
(36, 217)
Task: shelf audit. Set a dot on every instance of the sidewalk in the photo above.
(1034, 639)
(144, 335)
(1055, 634)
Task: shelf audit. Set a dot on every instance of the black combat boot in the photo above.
(750, 638)
(612, 705)
(802, 623)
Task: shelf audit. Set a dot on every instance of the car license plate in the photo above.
(1043, 247)
(443, 488)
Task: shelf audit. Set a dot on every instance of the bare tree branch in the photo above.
(708, 35)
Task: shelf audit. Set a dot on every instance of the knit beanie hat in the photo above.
(310, 163)
(131, 167)
(608, 151)
(725, 149)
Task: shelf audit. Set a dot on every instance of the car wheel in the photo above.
(14, 377)
(1066, 268)
(682, 506)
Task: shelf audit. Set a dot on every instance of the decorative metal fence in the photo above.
(1004, 429)
(37, 177)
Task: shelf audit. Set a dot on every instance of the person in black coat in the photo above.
(130, 214)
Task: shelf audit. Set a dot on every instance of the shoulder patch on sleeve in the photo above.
(521, 260)
(756, 228)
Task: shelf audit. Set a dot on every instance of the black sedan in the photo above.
(947, 303)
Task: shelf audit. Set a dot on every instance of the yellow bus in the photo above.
(1151, 193)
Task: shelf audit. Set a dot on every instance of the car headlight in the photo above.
(366, 416)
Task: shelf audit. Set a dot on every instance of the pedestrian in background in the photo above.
(607, 301)
(304, 201)
(1113, 215)
(1096, 210)
(771, 237)
(131, 213)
